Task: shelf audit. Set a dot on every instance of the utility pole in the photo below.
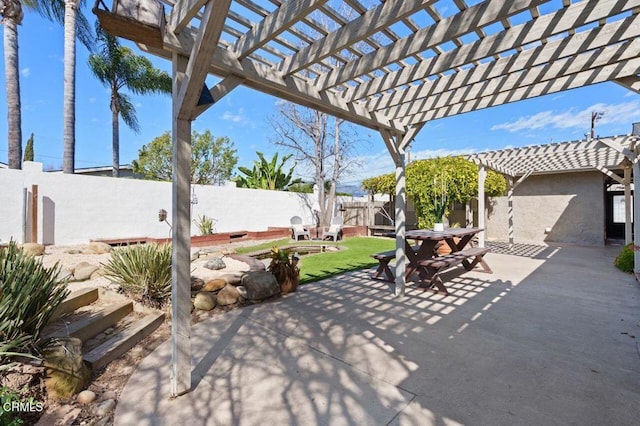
(595, 116)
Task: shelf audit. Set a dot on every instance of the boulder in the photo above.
(214, 285)
(86, 397)
(233, 278)
(83, 271)
(196, 283)
(260, 285)
(204, 301)
(242, 291)
(66, 373)
(104, 408)
(108, 395)
(215, 264)
(228, 296)
(98, 247)
(34, 249)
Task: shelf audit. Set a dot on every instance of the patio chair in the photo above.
(334, 231)
(298, 229)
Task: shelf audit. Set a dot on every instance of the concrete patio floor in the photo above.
(549, 338)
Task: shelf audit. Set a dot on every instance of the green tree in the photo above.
(117, 67)
(268, 174)
(212, 159)
(422, 184)
(28, 150)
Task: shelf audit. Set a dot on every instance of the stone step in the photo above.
(86, 325)
(123, 340)
(75, 300)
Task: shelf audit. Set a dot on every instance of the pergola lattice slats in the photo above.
(547, 54)
(482, 14)
(581, 79)
(606, 153)
(358, 29)
(553, 24)
(510, 83)
(412, 78)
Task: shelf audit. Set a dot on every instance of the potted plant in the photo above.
(440, 201)
(284, 266)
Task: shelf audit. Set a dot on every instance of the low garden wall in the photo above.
(74, 209)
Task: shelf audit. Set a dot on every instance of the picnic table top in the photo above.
(429, 234)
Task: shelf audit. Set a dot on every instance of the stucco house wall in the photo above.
(569, 205)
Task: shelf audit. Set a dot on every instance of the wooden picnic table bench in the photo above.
(384, 258)
(430, 269)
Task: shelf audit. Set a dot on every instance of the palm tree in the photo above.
(117, 67)
(11, 13)
(75, 25)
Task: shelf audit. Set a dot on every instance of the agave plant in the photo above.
(142, 272)
(29, 295)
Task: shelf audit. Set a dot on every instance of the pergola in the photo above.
(606, 155)
(388, 65)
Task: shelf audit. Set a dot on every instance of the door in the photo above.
(615, 214)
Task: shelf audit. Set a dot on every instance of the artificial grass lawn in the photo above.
(355, 254)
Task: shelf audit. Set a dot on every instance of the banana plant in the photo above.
(267, 174)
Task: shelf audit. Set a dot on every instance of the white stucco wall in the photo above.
(74, 209)
(570, 204)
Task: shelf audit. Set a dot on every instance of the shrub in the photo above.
(142, 272)
(624, 261)
(205, 224)
(29, 295)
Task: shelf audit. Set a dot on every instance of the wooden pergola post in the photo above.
(628, 233)
(510, 210)
(397, 144)
(482, 175)
(636, 222)
(181, 242)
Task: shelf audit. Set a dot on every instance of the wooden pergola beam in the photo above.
(273, 82)
(219, 91)
(480, 161)
(202, 50)
(277, 22)
(367, 24)
(585, 78)
(631, 82)
(551, 71)
(576, 15)
(567, 48)
(457, 25)
(183, 12)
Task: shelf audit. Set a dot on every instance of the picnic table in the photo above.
(424, 260)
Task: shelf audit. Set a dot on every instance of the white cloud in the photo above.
(622, 113)
(26, 72)
(92, 99)
(235, 118)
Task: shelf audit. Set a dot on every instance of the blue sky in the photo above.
(242, 115)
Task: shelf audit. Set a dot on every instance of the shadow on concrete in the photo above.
(537, 342)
